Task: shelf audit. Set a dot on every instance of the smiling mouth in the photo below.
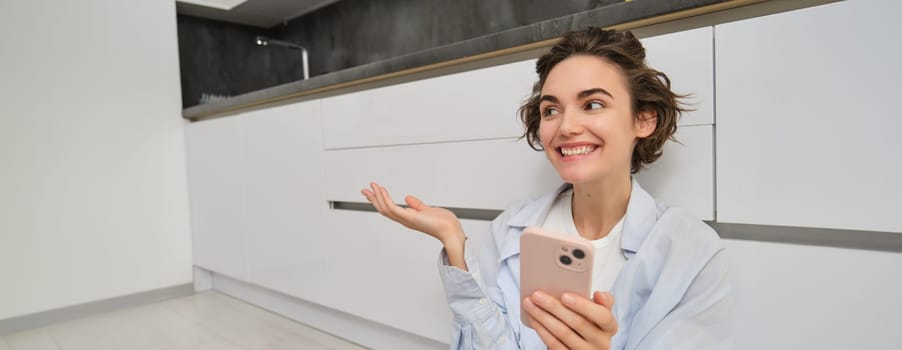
(576, 151)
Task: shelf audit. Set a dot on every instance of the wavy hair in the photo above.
(649, 89)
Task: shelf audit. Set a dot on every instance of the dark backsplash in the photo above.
(223, 59)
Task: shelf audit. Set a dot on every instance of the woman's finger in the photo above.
(390, 206)
(395, 212)
(604, 298)
(372, 195)
(591, 318)
(385, 203)
(378, 201)
(574, 319)
(369, 195)
(415, 203)
(608, 322)
(403, 215)
(549, 339)
(557, 319)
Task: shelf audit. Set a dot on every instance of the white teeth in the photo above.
(575, 151)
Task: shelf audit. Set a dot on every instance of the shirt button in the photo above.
(501, 340)
(475, 275)
(483, 301)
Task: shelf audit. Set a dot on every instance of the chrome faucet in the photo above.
(264, 41)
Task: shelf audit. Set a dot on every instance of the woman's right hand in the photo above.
(437, 222)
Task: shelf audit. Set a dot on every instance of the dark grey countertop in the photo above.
(601, 17)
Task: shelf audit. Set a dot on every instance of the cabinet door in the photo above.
(807, 122)
(473, 105)
(217, 192)
(284, 202)
(486, 174)
(684, 175)
(376, 269)
(688, 60)
(783, 290)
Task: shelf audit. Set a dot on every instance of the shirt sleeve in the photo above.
(480, 322)
(703, 319)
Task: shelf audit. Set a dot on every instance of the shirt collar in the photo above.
(530, 215)
(641, 216)
(537, 210)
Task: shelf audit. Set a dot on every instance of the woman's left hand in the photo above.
(573, 322)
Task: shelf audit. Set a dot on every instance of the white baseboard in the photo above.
(203, 279)
(340, 324)
(46, 318)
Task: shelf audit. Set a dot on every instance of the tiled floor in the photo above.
(208, 320)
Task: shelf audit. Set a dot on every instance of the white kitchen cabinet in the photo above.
(216, 189)
(374, 268)
(807, 123)
(688, 60)
(790, 293)
(254, 190)
(684, 175)
(284, 202)
(474, 105)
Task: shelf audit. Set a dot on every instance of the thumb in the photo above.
(604, 299)
(414, 203)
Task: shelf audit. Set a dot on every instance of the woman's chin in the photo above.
(582, 176)
(574, 178)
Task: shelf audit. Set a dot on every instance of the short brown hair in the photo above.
(649, 89)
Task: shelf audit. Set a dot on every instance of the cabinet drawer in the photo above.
(688, 60)
(473, 105)
(807, 122)
(684, 175)
(487, 174)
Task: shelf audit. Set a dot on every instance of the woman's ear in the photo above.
(646, 123)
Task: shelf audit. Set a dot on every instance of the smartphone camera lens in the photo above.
(565, 260)
(579, 254)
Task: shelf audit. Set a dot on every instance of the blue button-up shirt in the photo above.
(671, 294)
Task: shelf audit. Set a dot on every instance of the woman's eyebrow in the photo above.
(590, 92)
(548, 98)
(581, 95)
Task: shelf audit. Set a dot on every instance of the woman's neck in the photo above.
(599, 205)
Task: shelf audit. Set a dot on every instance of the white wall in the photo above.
(93, 188)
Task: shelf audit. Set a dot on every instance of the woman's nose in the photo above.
(570, 124)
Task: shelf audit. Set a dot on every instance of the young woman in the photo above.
(599, 114)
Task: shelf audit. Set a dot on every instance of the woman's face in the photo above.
(587, 126)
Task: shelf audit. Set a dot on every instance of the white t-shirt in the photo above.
(609, 259)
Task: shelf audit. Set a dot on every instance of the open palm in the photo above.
(437, 222)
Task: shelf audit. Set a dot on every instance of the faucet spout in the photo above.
(305, 69)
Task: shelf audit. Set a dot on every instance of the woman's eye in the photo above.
(549, 111)
(594, 105)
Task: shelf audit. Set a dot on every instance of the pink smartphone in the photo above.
(554, 263)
